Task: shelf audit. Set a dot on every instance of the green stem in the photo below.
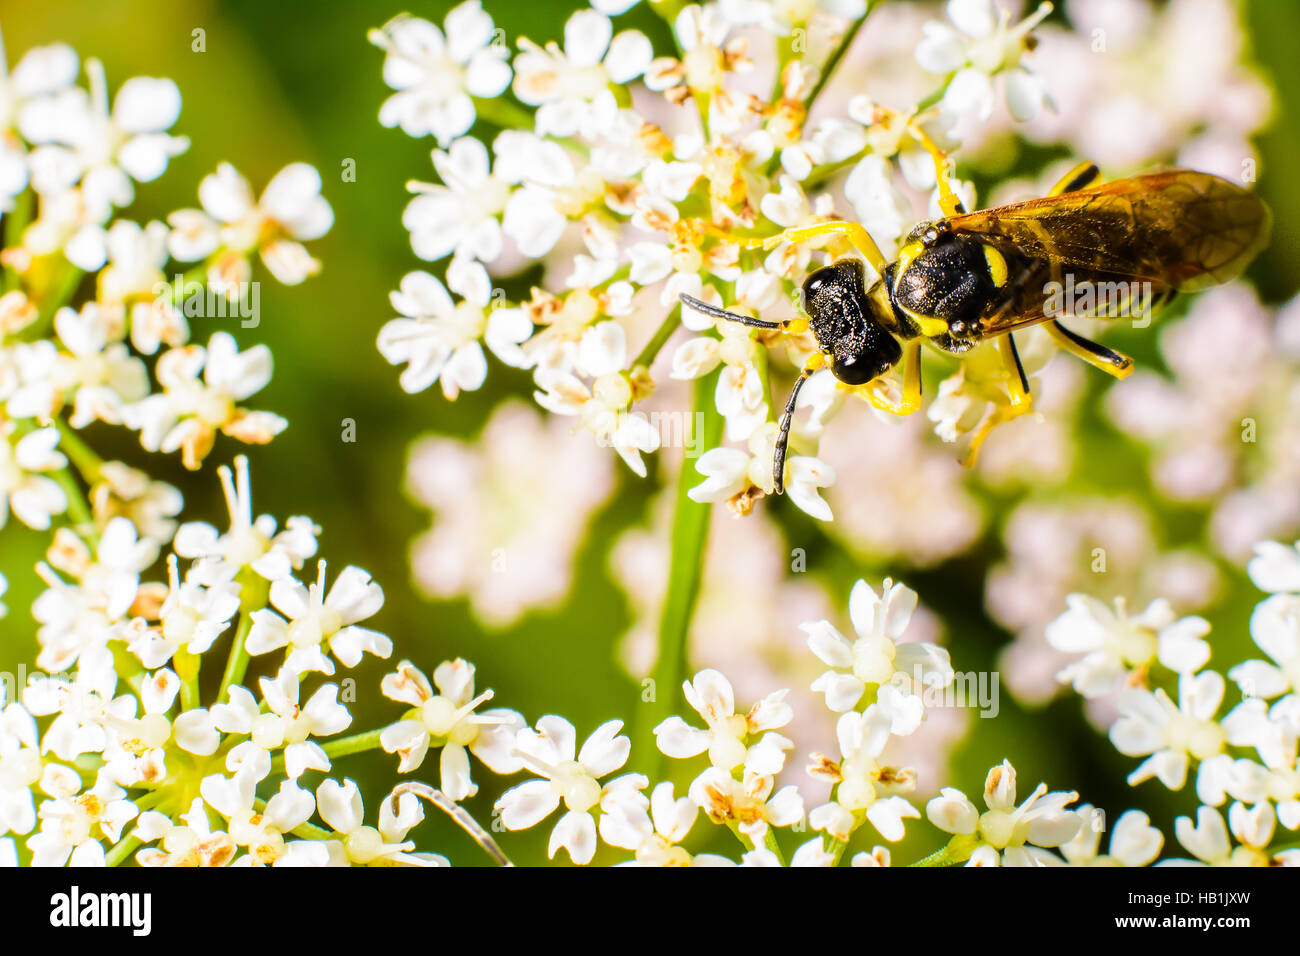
(16, 220)
(237, 662)
(78, 507)
(662, 335)
(121, 850)
(940, 857)
(186, 666)
(836, 849)
(769, 841)
(833, 61)
(341, 747)
(690, 532)
(57, 295)
(81, 454)
(355, 744)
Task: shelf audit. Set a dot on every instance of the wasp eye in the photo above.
(818, 281)
(856, 369)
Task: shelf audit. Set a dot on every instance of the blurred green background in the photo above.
(281, 82)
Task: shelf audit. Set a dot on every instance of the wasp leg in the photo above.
(1080, 177)
(815, 361)
(911, 399)
(949, 202)
(1017, 381)
(1107, 360)
(855, 232)
(1021, 401)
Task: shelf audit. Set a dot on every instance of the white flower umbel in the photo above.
(232, 227)
(726, 737)
(1006, 834)
(436, 75)
(200, 396)
(982, 43)
(1171, 736)
(315, 619)
(1116, 645)
(571, 776)
(876, 657)
(449, 720)
(1133, 841)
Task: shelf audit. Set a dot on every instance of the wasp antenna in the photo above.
(717, 313)
(783, 439)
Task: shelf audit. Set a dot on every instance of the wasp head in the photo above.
(844, 319)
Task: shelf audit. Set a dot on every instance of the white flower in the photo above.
(879, 204)
(752, 803)
(281, 724)
(449, 720)
(250, 542)
(190, 410)
(435, 75)
(711, 695)
(438, 340)
(340, 806)
(571, 776)
(654, 830)
(1114, 643)
(32, 496)
(562, 84)
(603, 408)
(191, 843)
(192, 617)
(69, 821)
(1276, 567)
(863, 787)
(103, 150)
(1208, 840)
(262, 832)
(290, 211)
(138, 746)
(737, 477)
(314, 618)
(1275, 628)
(984, 44)
(1133, 841)
(875, 656)
(101, 373)
(1172, 735)
(462, 217)
(1006, 834)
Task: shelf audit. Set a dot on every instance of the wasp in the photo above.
(969, 278)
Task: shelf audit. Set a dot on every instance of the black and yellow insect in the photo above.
(969, 278)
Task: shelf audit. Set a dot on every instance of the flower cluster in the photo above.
(1247, 755)
(636, 178)
(116, 749)
(71, 161)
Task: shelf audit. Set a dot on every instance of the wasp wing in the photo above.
(1178, 230)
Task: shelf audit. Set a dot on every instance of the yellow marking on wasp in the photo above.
(997, 266)
(797, 326)
(1076, 174)
(928, 324)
